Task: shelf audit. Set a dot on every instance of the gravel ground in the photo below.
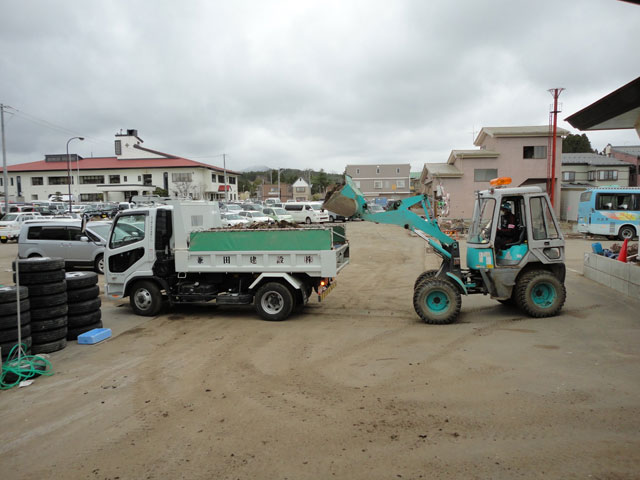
(355, 387)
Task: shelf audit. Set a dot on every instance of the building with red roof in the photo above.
(134, 170)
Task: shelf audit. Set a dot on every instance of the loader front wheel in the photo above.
(437, 302)
(423, 276)
(540, 294)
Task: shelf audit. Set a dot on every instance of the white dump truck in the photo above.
(179, 253)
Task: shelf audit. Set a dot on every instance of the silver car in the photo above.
(64, 239)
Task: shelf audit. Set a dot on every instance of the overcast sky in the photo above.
(304, 84)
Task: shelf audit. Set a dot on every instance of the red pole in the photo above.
(556, 94)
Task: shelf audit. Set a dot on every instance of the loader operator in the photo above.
(507, 231)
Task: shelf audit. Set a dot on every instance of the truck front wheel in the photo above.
(145, 298)
(273, 302)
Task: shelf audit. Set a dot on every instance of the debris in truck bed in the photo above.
(264, 226)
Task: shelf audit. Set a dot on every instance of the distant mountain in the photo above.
(257, 168)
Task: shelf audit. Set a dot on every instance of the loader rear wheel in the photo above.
(273, 302)
(423, 276)
(437, 302)
(540, 294)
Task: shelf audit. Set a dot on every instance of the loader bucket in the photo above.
(344, 199)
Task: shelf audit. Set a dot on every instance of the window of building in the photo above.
(124, 179)
(400, 183)
(357, 171)
(214, 177)
(377, 184)
(37, 180)
(1, 182)
(569, 176)
(34, 197)
(484, 174)
(58, 180)
(90, 197)
(220, 178)
(181, 177)
(91, 179)
(11, 181)
(301, 189)
(377, 169)
(114, 178)
(147, 179)
(397, 170)
(534, 152)
(118, 145)
(591, 175)
(607, 174)
(357, 182)
(232, 180)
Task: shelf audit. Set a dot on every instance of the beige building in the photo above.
(517, 152)
(383, 182)
(301, 191)
(581, 171)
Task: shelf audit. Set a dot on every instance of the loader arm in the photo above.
(348, 200)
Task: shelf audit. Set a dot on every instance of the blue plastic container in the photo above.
(94, 336)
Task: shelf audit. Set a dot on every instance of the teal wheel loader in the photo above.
(515, 250)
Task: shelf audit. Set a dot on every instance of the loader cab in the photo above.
(513, 226)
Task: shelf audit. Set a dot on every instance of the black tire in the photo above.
(423, 276)
(49, 347)
(6, 347)
(42, 301)
(98, 264)
(77, 308)
(332, 218)
(41, 277)
(48, 336)
(38, 264)
(48, 288)
(437, 302)
(8, 294)
(540, 294)
(3, 240)
(51, 324)
(82, 294)
(77, 280)
(12, 333)
(145, 298)
(77, 321)
(273, 302)
(307, 221)
(73, 333)
(49, 312)
(626, 231)
(11, 308)
(10, 321)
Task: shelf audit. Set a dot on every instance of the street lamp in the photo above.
(279, 192)
(69, 169)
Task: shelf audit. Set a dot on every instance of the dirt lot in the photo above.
(354, 388)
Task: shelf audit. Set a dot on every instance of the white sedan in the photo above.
(233, 219)
(255, 217)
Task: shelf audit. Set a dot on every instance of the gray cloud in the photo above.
(304, 84)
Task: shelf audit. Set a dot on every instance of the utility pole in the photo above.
(554, 118)
(5, 175)
(224, 164)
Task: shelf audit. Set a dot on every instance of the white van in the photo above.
(306, 212)
(12, 222)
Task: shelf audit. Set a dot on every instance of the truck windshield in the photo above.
(128, 229)
(480, 230)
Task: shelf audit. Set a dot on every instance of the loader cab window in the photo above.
(511, 228)
(542, 224)
(480, 231)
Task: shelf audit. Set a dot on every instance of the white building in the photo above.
(134, 170)
(301, 190)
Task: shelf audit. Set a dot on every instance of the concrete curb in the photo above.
(622, 277)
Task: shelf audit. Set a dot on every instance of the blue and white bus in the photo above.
(610, 211)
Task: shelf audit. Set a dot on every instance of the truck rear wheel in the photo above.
(145, 298)
(437, 302)
(540, 294)
(273, 302)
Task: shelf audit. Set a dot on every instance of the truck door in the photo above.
(128, 244)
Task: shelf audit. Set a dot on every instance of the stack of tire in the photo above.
(9, 319)
(44, 277)
(83, 301)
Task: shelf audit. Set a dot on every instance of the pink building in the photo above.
(629, 154)
(517, 152)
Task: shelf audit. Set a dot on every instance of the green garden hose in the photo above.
(15, 370)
